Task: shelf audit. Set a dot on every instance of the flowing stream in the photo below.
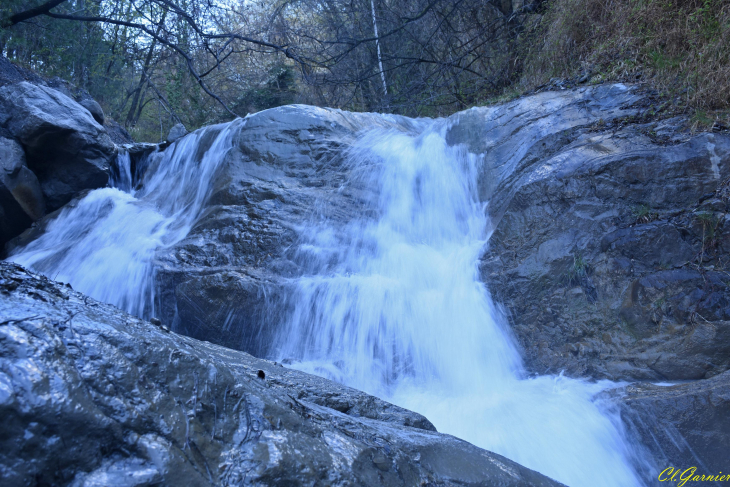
(391, 304)
(394, 306)
(104, 244)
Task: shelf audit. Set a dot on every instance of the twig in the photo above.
(18, 320)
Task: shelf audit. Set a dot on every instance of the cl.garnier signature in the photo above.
(690, 474)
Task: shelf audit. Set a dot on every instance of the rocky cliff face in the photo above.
(608, 243)
(610, 240)
(92, 396)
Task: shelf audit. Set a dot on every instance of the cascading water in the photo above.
(104, 245)
(393, 305)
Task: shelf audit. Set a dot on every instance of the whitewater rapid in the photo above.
(392, 303)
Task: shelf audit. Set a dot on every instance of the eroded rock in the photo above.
(609, 245)
(91, 395)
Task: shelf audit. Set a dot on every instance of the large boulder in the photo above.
(90, 395)
(609, 238)
(65, 147)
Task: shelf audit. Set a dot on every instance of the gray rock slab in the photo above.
(609, 235)
(90, 395)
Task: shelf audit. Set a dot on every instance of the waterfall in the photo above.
(393, 305)
(104, 244)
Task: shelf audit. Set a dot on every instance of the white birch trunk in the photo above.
(377, 45)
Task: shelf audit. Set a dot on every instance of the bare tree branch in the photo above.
(30, 13)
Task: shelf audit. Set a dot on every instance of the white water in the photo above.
(394, 306)
(104, 246)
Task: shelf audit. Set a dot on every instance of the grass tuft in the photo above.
(682, 47)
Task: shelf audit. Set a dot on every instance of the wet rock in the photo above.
(90, 395)
(608, 246)
(65, 147)
(226, 281)
(681, 425)
(176, 132)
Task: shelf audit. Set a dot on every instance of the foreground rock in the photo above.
(92, 396)
(610, 244)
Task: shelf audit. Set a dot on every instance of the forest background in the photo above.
(154, 63)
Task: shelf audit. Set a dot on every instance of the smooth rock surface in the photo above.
(92, 396)
(94, 109)
(177, 131)
(65, 147)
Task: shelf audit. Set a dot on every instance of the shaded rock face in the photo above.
(65, 147)
(608, 247)
(21, 199)
(683, 425)
(92, 396)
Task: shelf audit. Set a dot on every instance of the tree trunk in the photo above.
(133, 114)
(377, 45)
